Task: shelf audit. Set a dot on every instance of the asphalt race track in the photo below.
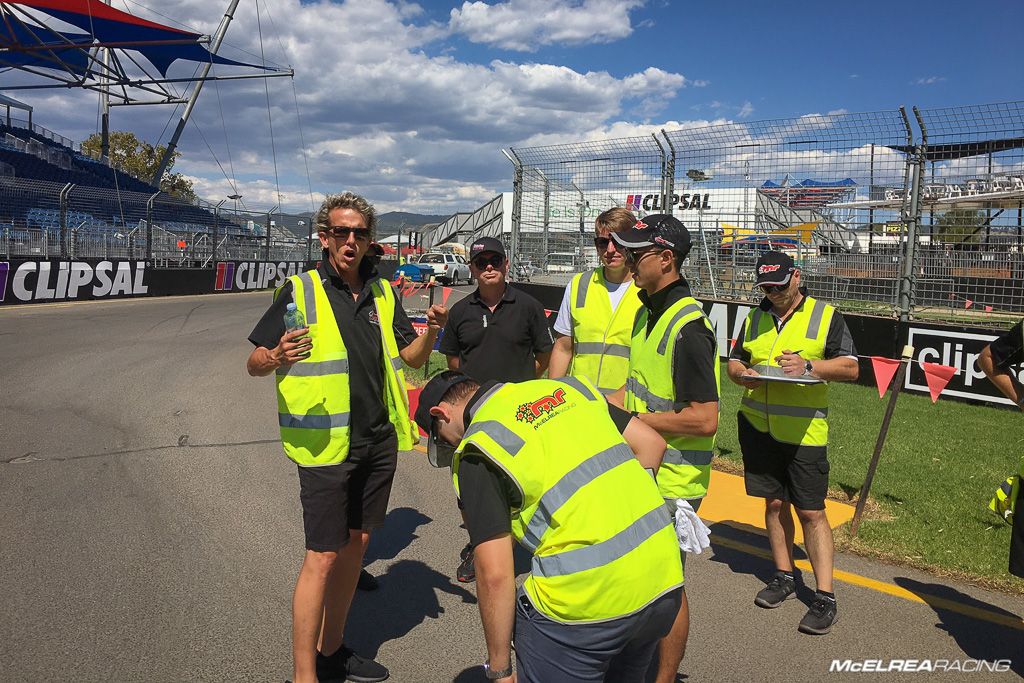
(151, 531)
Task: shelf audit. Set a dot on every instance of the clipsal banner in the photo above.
(235, 276)
(959, 349)
(32, 281)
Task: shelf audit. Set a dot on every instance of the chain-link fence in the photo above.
(39, 219)
(910, 214)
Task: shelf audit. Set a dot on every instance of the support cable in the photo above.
(270, 117)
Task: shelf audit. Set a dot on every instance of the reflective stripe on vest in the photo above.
(589, 513)
(686, 466)
(791, 413)
(315, 368)
(601, 335)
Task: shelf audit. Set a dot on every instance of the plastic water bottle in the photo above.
(293, 318)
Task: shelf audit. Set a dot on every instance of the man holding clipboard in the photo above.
(792, 345)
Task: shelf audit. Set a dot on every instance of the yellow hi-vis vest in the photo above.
(791, 413)
(313, 397)
(686, 468)
(603, 544)
(1004, 503)
(600, 335)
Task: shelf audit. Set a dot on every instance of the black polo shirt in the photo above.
(488, 495)
(838, 343)
(360, 331)
(696, 350)
(501, 344)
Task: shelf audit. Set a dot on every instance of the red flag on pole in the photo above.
(445, 293)
(938, 377)
(968, 304)
(885, 369)
(988, 309)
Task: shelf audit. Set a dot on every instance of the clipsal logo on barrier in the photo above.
(683, 202)
(68, 280)
(959, 350)
(233, 276)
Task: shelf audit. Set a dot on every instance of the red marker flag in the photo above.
(968, 304)
(548, 312)
(988, 309)
(414, 401)
(885, 369)
(938, 377)
(445, 293)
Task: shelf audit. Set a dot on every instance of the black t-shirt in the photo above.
(696, 349)
(488, 496)
(1008, 349)
(360, 331)
(501, 344)
(838, 343)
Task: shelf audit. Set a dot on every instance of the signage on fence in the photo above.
(959, 349)
(31, 281)
(246, 275)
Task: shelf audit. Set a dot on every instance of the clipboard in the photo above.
(772, 373)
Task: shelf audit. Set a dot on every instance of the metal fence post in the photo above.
(908, 275)
(517, 202)
(149, 226)
(65, 247)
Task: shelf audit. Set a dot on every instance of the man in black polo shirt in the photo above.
(344, 488)
(496, 333)
(997, 361)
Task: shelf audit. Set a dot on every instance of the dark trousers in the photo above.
(616, 651)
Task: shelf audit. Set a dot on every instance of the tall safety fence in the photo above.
(39, 219)
(912, 214)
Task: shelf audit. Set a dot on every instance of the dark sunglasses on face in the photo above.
(481, 262)
(602, 243)
(634, 256)
(342, 232)
(771, 289)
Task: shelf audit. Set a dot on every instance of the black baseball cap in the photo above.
(656, 230)
(485, 244)
(432, 394)
(774, 268)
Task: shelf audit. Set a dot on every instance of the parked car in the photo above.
(415, 272)
(449, 269)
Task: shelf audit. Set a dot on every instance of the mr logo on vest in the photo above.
(540, 411)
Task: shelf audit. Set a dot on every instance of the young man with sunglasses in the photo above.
(673, 381)
(783, 427)
(497, 333)
(343, 410)
(595, 319)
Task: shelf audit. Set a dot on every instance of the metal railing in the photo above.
(913, 214)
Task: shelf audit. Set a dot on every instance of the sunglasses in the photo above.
(602, 243)
(481, 262)
(634, 256)
(771, 289)
(341, 232)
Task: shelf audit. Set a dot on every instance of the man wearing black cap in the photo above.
(673, 380)
(496, 333)
(553, 465)
(800, 343)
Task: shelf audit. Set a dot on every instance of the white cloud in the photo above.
(929, 80)
(523, 25)
(746, 109)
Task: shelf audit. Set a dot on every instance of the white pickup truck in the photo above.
(449, 269)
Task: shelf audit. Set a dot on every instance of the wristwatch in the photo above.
(808, 368)
(493, 675)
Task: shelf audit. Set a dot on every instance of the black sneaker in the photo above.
(778, 590)
(466, 572)
(367, 581)
(346, 665)
(820, 617)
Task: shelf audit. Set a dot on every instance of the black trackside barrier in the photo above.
(27, 281)
(954, 345)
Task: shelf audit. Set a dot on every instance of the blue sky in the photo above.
(411, 103)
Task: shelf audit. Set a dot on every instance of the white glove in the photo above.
(693, 535)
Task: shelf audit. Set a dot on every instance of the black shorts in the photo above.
(350, 495)
(1017, 537)
(772, 469)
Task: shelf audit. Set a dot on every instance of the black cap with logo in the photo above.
(656, 230)
(774, 268)
(485, 244)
